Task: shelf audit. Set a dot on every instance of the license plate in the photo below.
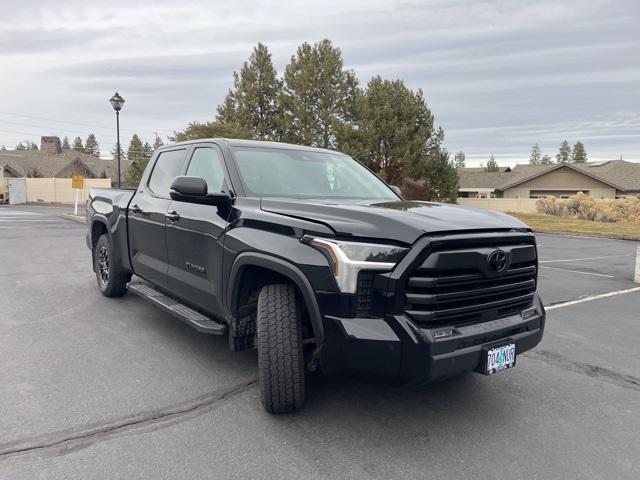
(500, 358)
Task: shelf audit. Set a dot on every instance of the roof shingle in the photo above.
(619, 173)
(60, 165)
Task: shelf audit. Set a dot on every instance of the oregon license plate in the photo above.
(500, 358)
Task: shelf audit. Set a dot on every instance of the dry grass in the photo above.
(553, 224)
(584, 207)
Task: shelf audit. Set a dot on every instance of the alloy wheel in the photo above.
(103, 265)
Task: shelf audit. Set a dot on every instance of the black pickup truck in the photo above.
(306, 255)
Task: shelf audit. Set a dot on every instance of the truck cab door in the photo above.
(146, 218)
(195, 236)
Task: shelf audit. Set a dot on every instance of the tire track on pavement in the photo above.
(66, 441)
(594, 371)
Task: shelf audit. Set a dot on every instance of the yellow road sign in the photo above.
(77, 181)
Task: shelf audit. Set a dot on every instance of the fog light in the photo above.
(528, 313)
(442, 334)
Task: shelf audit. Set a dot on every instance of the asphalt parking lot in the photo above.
(92, 387)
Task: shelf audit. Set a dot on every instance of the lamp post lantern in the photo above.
(117, 102)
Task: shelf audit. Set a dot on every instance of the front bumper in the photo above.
(396, 347)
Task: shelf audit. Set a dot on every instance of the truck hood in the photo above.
(402, 221)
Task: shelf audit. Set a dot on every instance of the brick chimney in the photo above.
(50, 145)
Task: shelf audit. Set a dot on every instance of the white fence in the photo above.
(58, 190)
(517, 205)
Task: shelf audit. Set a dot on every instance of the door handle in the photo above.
(173, 216)
(135, 209)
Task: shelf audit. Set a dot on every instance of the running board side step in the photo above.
(197, 320)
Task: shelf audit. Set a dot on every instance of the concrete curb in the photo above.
(74, 218)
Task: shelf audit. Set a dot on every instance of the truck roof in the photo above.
(235, 142)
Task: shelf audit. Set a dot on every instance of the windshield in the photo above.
(303, 174)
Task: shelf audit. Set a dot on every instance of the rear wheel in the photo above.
(111, 280)
(280, 355)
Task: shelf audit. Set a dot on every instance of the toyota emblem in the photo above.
(498, 260)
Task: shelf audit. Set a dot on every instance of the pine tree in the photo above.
(392, 131)
(114, 152)
(20, 146)
(535, 158)
(386, 126)
(65, 143)
(564, 153)
(77, 145)
(147, 150)
(318, 96)
(3, 148)
(135, 148)
(135, 171)
(546, 160)
(91, 146)
(459, 160)
(438, 172)
(139, 155)
(441, 184)
(196, 130)
(579, 154)
(252, 103)
(32, 146)
(492, 165)
(157, 143)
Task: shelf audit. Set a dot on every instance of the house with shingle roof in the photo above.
(65, 164)
(607, 179)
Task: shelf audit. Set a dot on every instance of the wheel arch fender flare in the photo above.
(287, 269)
(92, 238)
(119, 252)
(101, 219)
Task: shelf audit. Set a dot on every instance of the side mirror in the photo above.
(396, 189)
(188, 187)
(194, 190)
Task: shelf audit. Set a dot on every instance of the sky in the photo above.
(499, 76)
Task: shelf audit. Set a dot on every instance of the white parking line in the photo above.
(579, 271)
(593, 297)
(23, 220)
(33, 226)
(586, 258)
(11, 213)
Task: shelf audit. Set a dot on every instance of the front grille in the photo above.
(457, 286)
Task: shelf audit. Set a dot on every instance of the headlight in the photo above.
(349, 258)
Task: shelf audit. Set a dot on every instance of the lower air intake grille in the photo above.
(365, 291)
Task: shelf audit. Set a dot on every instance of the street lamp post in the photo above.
(117, 102)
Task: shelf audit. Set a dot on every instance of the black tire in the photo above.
(111, 281)
(280, 355)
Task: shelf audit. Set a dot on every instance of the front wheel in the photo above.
(280, 355)
(111, 281)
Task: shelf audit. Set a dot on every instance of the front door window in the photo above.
(207, 163)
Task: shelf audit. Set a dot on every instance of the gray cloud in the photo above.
(498, 75)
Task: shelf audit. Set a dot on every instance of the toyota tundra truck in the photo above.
(307, 256)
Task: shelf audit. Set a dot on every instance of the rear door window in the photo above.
(165, 170)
